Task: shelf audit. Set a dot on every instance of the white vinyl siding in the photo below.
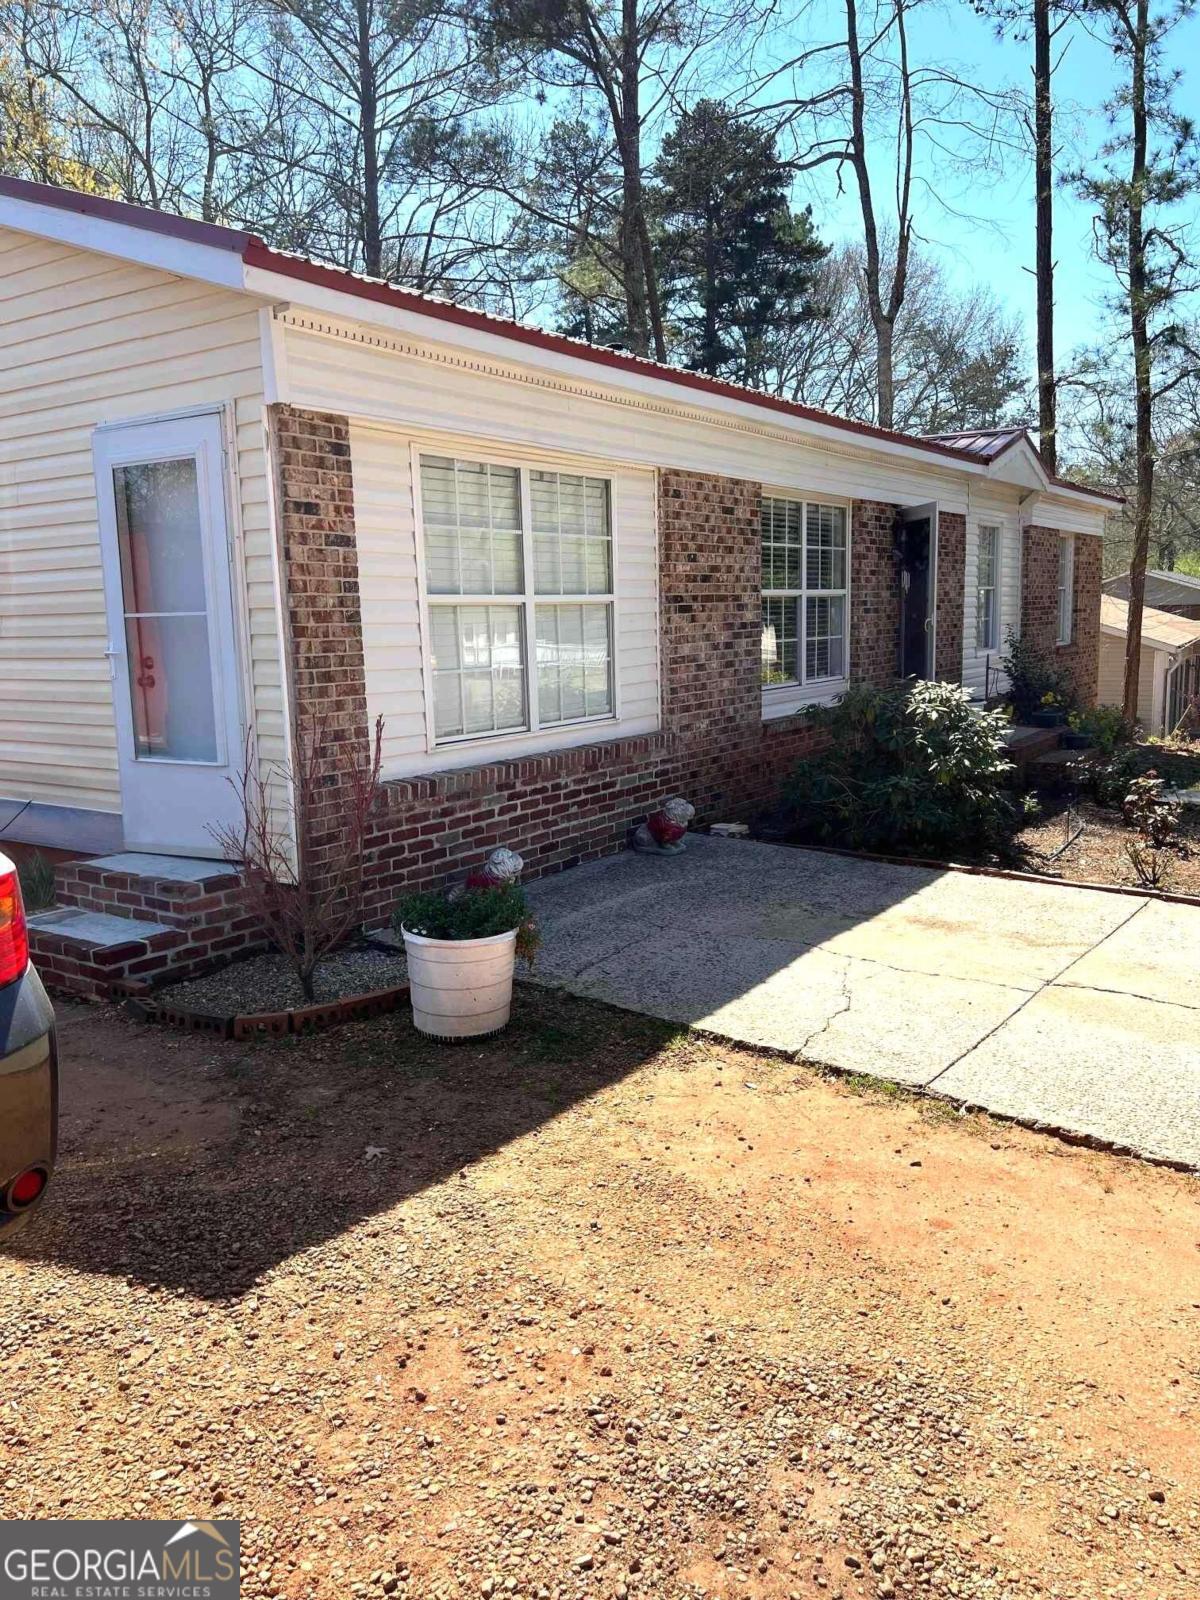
(428, 388)
(385, 501)
(89, 339)
(1110, 688)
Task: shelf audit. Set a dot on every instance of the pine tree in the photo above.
(735, 261)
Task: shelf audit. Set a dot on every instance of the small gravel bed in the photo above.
(1099, 855)
(267, 983)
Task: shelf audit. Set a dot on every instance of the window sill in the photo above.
(789, 700)
(547, 737)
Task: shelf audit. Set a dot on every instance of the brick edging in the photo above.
(968, 869)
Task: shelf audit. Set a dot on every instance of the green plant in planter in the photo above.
(1105, 727)
(1031, 678)
(472, 914)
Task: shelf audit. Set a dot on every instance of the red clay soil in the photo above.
(597, 1310)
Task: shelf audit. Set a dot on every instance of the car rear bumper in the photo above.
(28, 1089)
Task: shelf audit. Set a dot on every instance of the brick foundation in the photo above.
(1079, 660)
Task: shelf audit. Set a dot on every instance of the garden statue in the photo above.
(664, 830)
(502, 867)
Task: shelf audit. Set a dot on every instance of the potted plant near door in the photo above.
(1051, 713)
(462, 948)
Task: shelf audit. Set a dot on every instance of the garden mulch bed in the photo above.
(267, 982)
(1099, 854)
(263, 995)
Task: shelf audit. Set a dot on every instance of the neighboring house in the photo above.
(1169, 669)
(1175, 592)
(239, 487)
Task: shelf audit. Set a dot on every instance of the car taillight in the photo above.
(23, 1191)
(14, 940)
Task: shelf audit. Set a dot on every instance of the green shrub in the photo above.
(913, 770)
(1032, 680)
(473, 914)
(1105, 727)
(1109, 780)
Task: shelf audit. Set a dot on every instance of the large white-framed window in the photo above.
(987, 587)
(805, 597)
(518, 580)
(1066, 586)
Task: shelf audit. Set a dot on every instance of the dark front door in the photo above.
(916, 573)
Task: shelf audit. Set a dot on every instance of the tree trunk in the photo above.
(883, 316)
(1142, 364)
(629, 145)
(372, 238)
(1043, 162)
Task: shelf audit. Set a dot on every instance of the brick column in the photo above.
(874, 593)
(1079, 660)
(951, 571)
(710, 589)
(315, 486)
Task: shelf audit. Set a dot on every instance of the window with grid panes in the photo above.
(519, 584)
(987, 609)
(805, 577)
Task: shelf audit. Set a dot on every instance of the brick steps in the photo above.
(1059, 768)
(1027, 744)
(134, 916)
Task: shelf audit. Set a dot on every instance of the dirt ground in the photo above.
(597, 1309)
(1100, 855)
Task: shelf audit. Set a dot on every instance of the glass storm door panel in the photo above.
(172, 642)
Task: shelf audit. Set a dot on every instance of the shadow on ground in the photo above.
(200, 1166)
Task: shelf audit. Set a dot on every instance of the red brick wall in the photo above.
(951, 574)
(560, 808)
(322, 606)
(874, 593)
(1079, 660)
(714, 748)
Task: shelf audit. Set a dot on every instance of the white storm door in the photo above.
(172, 644)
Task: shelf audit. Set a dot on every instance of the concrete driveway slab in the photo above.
(990, 930)
(1152, 955)
(1115, 1066)
(1049, 1003)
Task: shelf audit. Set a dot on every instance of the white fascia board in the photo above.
(500, 347)
(146, 246)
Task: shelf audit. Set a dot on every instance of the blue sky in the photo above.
(990, 240)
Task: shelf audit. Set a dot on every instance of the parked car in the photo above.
(28, 1067)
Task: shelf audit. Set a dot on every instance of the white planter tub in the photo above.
(460, 988)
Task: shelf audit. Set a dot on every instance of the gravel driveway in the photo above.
(1061, 1006)
(598, 1310)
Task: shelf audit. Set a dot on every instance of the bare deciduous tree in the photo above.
(303, 886)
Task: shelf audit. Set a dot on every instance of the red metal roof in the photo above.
(255, 252)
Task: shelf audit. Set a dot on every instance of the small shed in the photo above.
(1169, 676)
(1176, 592)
